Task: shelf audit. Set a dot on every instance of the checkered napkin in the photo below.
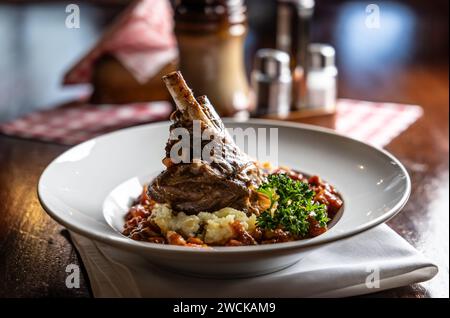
(375, 123)
(141, 38)
(72, 125)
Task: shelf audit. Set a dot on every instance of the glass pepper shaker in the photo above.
(211, 35)
(322, 79)
(293, 37)
(271, 83)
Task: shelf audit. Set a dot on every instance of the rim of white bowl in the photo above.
(123, 242)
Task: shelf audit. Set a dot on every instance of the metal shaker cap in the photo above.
(305, 8)
(321, 56)
(272, 65)
(301, 4)
(271, 82)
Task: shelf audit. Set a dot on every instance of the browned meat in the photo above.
(202, 185)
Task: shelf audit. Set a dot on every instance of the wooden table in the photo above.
(35, 250)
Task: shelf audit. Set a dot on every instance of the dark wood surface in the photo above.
(35, 250)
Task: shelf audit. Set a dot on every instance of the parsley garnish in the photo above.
(294, 205)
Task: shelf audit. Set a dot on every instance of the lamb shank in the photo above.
(200, 185)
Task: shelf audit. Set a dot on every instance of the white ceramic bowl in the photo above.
(106, 173)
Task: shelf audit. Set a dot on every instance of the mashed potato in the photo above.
(212, 228)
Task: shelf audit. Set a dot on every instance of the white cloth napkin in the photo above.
(338, 269)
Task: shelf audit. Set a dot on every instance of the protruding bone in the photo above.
(184, 99)
(209, 110)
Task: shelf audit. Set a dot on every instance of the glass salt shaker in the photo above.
(271, 83)
(321, 81)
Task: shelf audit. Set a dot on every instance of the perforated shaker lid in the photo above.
(321, 56)
(272, 64)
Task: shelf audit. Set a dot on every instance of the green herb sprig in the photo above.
(294, 205)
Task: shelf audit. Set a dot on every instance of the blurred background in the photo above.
(36, 48)
(404, 60)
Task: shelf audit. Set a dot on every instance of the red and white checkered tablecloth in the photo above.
(72, 125)
(375, 123)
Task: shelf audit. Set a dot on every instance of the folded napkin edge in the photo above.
(421, 273)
